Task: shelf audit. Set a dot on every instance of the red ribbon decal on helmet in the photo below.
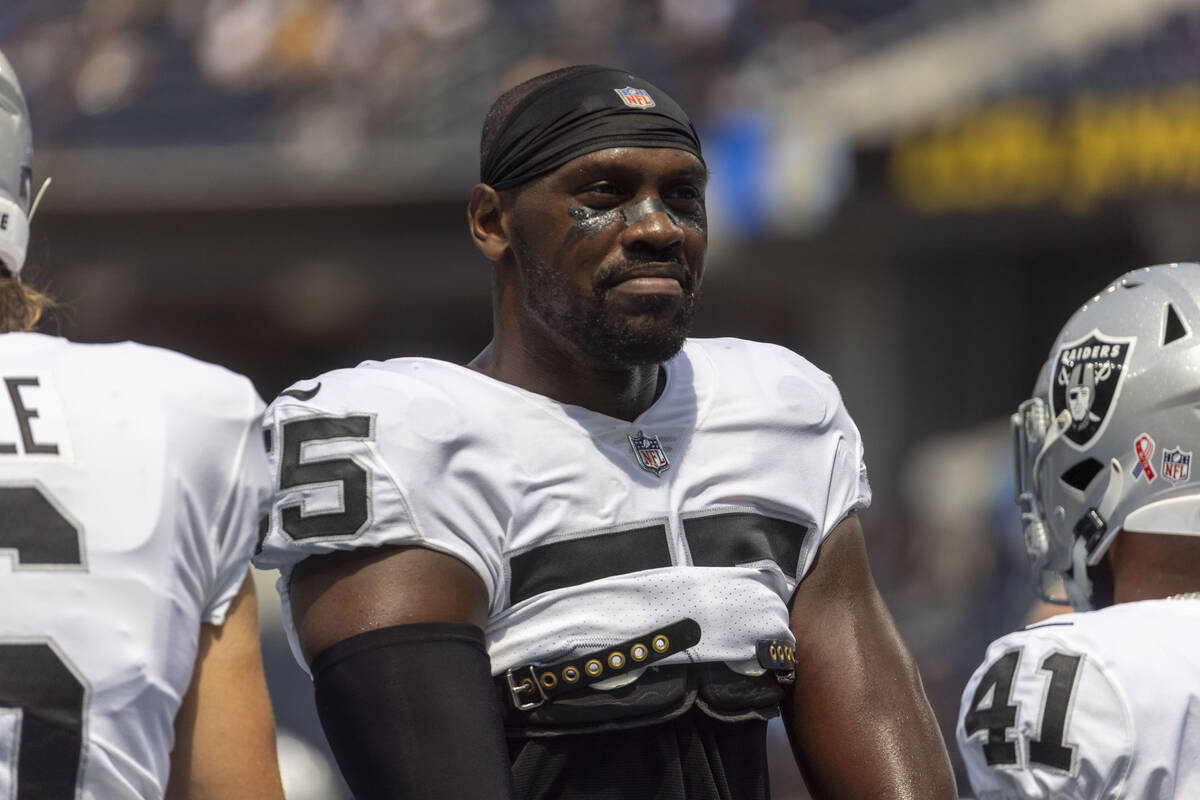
(1145, 448)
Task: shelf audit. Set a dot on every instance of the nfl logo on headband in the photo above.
(635, 98)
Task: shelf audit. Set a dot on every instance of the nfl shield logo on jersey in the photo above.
(635, 98)
(1176, 465)
(1087, 381)
(649, 452)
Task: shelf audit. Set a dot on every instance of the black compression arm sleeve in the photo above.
(411, 711)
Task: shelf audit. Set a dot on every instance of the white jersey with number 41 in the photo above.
(1103, 705)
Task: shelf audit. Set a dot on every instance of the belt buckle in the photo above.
(519, 685)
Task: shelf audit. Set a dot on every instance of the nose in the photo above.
(650, 224)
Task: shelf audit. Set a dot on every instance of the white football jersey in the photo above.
(1103, 705)
(586, 530)
(130, 485)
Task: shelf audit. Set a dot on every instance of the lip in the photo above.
(651, 274)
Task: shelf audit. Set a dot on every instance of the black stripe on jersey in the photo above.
(742, 537)
(1036, 625)
(588, 557)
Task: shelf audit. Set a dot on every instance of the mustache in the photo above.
(613, 274)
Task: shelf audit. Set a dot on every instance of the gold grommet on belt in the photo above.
(570, 674)
(660, 643)
(639, 652)
(774, 653)
(616, 660)
(526, 685)
(593, 667)
(549, 680)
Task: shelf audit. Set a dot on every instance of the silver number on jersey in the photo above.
(345, 473)
(35, 677)
(999, 718)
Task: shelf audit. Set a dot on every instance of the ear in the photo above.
(485, 219)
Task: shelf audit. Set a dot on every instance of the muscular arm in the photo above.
(406, 700)
(224, 731)
(859, 723)
(339, 595)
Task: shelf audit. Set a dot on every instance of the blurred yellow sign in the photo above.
(1027, 153)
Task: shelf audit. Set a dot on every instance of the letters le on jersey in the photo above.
(129, 493)
(1087, 382)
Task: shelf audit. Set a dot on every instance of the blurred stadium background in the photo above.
(912, 193)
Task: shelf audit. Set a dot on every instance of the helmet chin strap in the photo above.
(38, 199)
(1108, 504)
(1079, 592)
(1077, 584)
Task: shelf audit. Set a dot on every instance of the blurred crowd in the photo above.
(382, 66)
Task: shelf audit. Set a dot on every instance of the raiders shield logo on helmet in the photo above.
(1087, 380)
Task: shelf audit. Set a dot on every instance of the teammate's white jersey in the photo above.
(586, 530)
(130, 484)
(1103, 705)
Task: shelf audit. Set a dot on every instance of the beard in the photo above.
(610, 339)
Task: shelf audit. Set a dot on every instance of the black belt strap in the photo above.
(778, 656)
(532, 685)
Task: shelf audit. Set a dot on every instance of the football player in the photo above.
(1104, 703)
(601, 555)
(130, 484)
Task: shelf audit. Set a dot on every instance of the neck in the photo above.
(1151, 566)
(528, 358)
(623, 394)
(525, 354)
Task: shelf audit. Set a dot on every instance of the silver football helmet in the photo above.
(1106, 442)
(16, 170)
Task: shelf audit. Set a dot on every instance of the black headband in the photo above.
(588, 110)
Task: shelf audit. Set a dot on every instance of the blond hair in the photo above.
(21, 306)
